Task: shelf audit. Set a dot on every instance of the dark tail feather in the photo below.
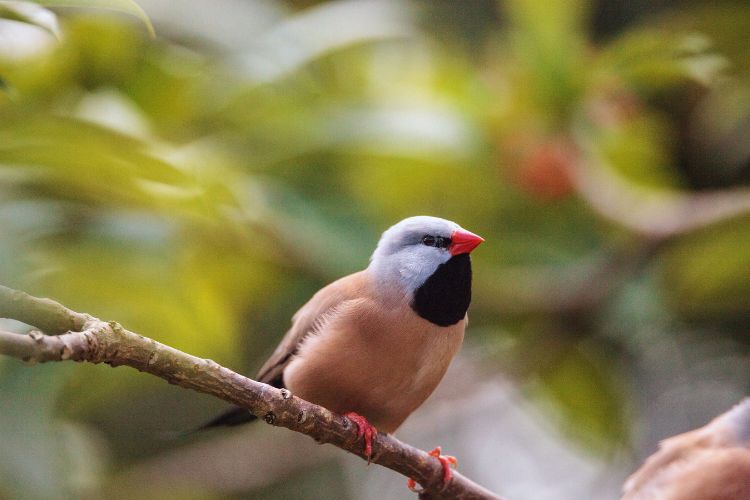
(234, 416)
(230, 418)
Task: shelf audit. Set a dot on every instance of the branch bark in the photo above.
(92, 340)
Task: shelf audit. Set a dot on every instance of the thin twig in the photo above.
(48, 315)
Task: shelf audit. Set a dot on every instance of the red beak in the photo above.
(463, 241)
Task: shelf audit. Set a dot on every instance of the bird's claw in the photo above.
(412, 485)
(364, 429)
(446, 461)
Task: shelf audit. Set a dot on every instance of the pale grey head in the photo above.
(410, 251)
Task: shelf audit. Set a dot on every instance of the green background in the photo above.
(200, 184)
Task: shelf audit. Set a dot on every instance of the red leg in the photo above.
(364, 429)
(446, 461)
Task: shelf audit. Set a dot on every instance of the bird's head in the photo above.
(410, 251)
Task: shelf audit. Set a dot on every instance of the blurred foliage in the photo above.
(200, 185)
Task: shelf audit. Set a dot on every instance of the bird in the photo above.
(708, 463)
(373, 345)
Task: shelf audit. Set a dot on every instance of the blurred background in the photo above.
(200, 184)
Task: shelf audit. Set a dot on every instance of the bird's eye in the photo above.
(428, 240)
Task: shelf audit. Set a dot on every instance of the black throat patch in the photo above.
(444, 298)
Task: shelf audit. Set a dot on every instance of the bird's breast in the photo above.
(378, 361)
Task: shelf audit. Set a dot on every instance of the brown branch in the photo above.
(654, 214)
(96, 341)
(45, 314)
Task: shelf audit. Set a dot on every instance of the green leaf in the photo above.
(27, 12)
(651, 61)
(79, 160)
(125, 6)
(638, 148)
(706, 273)
(290, 45)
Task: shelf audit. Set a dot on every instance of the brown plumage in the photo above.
(378, 342)
(363, 353)
(710, 463)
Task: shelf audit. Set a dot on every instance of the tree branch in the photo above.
(96, 341)
(48, 315)
(654, 214)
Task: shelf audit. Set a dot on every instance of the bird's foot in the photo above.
(446, 461)
(364, 429)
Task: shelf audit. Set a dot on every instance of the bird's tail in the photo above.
(230, 418)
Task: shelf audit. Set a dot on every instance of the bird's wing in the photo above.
(715, 473)
(673, 451)
(306, 320)
(684, 470)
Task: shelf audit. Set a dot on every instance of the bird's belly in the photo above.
(383, 374)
